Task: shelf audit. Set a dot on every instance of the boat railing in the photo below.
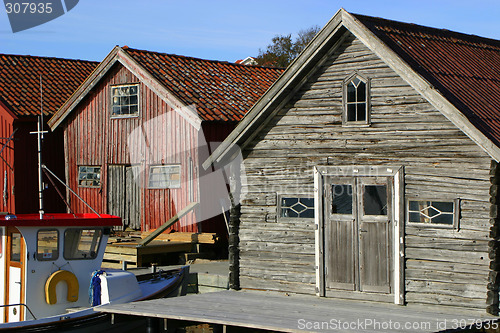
(19, 304)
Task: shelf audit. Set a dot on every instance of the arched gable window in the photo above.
(356, 101)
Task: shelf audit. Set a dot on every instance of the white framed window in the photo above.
(295, 206)
(47, 248)
(433, 213)
(356, 101)
(89, 176)
(164, 176)
(125, 101)
(81, 244)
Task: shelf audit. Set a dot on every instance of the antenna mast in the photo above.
(39, 134)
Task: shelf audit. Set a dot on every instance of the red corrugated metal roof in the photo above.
(464, 68)
(221, 91)
(20, 82)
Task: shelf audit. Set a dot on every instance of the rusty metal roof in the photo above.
(221, 91)
(464, 68)
(20, 82)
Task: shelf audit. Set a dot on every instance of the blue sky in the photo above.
(222, 30)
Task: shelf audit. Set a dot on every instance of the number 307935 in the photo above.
(28, 8)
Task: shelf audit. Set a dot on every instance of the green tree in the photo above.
(283, 50)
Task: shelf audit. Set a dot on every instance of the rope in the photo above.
(95, 288)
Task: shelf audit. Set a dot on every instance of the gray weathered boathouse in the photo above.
(371, 169)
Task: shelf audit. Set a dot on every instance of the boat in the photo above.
(52, 262)
(50, 268)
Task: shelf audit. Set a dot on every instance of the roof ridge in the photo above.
(128, 48)
(46, 57)
(424, 28)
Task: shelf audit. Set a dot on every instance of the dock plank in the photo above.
(279, 312)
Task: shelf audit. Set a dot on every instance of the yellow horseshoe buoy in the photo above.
(54, 279)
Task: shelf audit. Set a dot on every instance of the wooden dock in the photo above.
(281, 313)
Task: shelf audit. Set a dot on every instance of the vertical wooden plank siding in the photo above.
(443, 266)
(7, 197)
(94, 138)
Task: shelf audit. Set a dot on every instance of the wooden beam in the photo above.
(167, 224)
(190, 237)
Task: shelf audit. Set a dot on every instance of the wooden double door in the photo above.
(357, 234)
(124, 194)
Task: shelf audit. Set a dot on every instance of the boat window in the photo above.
(15, 247)
(47, 245)
(81, 243)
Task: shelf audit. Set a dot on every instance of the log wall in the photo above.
(443, 266)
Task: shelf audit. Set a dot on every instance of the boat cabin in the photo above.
(47, 262)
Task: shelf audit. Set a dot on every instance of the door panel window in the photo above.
(375, 200)
(342, 199)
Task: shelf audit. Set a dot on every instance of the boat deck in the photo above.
(282, 313)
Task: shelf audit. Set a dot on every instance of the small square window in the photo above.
(89, 176)
(431, 213)
(125, 100)
(296, 207)
(47, 245)
(165, 176)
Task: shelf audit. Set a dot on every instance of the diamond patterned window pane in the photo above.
(443, 219)
(443, 206)
(297, 207)
(432, 212)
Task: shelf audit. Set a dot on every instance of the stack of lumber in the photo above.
(129, 250)
(195, 238)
